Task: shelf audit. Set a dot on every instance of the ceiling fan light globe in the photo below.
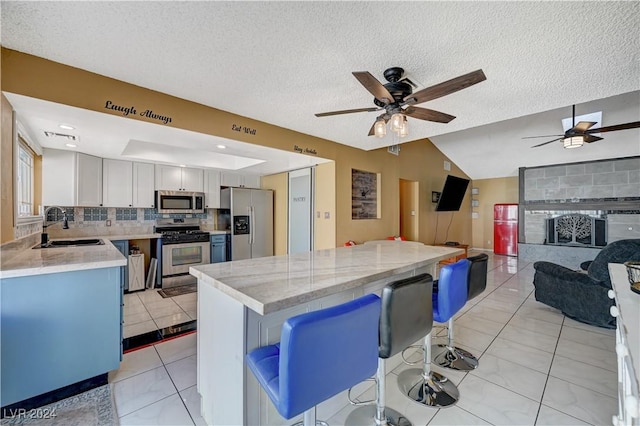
(404, 129)
(396, 122)
(380, 129)
(573, 142)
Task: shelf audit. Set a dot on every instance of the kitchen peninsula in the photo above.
(242, 305)
(61, 322)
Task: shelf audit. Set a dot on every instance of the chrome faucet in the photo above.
(65, 221)
(44, 239)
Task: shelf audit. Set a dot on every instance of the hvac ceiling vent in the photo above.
(394, 149)
(60, 135)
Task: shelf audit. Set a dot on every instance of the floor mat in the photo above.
(94, 407)
(178, 290)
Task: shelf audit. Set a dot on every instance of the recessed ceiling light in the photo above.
(221, 146)
(66, 127)
(71, 145)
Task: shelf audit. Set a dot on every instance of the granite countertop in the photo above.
(273, 283)
(62, 259)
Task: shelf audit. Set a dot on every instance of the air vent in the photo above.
(394, 149)
(60, 135)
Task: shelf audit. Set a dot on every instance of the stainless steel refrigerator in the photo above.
(251, 212)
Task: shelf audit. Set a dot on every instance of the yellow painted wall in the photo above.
(279, 183)
(418, 161)
(490, 192)
(6, 173)
(325, 202)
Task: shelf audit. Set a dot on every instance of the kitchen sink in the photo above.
(71, 243)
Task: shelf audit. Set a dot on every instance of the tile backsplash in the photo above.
(88, 221)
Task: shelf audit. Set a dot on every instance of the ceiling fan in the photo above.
(580, 133)
(394, 96)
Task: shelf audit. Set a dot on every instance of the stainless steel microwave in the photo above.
(179, 202)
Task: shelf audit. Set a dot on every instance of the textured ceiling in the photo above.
(281, 62)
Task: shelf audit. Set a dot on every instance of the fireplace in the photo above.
(576, 229)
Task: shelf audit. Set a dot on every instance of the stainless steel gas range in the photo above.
(183, 245)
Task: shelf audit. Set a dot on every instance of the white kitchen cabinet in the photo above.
(192, 179)
(239, 180)
(71, 178)
(230, 179)
(212, 189)
(143, 185)
(89, 180)
(117, 183)
(251, 181)
(176, 178)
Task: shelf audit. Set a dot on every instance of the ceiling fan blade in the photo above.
(347, 111)
(591, 138)
(428, 114)
(374, 86)
(548, 142)
(583, 126)
(544, 136)
(445, 88)
(632, 125)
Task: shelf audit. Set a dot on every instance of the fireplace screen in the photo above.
(577, 230)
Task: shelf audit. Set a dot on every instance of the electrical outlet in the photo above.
(447, 166)
(108, 222)
(326, 215)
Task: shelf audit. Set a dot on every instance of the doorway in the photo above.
(300, 211)
(409, 210)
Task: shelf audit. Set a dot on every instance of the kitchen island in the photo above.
(242, 305)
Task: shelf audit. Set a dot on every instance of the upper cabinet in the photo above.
(239, 180)
(127, 184)
(211, 189)
(71, 179)
(179, 178)
(117, 187)
(143, 185)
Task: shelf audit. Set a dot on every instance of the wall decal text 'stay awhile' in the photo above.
(132, 110)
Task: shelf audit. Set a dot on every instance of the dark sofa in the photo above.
(583, 296)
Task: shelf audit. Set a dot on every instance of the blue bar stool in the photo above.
(450, 356)
(423, 385)
(320, 354)
(405, 318)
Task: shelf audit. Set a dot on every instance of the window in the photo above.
(24, 196)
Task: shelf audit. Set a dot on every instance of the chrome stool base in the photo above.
(366, 416)
(454, 358)
(434, 391)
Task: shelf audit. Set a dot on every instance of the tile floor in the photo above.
(536, 366)
(147, 310)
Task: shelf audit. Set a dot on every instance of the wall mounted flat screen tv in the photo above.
(452, 194)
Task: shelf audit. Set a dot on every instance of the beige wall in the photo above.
(490, 192)
(279, 183)
(418, 161)
(6, 173)
(324, 235)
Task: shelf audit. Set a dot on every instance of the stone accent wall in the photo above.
(576, 182)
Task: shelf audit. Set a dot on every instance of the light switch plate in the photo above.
(447, 165)
(326, 215)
